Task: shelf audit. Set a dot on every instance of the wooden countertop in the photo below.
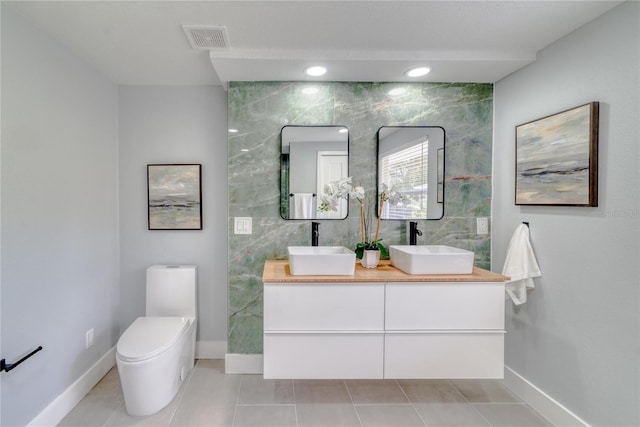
(277, 271)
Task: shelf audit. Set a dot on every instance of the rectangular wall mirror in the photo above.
(411, 161)
(311, 156)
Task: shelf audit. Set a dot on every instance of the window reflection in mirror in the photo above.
(311, 157)
(411, 161)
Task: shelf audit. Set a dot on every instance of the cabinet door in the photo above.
(453, 355)
(323, 355)
(428, 306)
(324, 307)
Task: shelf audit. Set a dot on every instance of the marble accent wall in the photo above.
(260, 109)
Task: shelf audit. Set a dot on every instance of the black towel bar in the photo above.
(525, 223)
(4, 366)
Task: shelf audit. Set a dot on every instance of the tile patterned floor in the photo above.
(211, 398)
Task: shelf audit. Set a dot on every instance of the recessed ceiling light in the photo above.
(315, 71)
(417, 72)
(310, 90)
(244, 150)
(233, 130)
(397, 91)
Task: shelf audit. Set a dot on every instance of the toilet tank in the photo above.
(171, 290)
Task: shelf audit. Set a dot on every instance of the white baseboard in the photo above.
(211, 349)
(243, 363)
(540, 401)
(65, 402)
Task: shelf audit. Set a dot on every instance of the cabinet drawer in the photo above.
(454, 355)
(323, 355)
(323, 307)
(420, 306)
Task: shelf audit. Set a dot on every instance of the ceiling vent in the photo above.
(209, 38)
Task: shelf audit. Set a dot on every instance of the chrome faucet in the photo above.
(414, 233)
(315, 233)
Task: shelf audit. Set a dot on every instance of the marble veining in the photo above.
(260, 109)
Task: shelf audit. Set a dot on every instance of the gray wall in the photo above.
(181, 124)
(59, 228)
(577, 337)
(74, 216)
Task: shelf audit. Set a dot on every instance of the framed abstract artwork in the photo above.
(557, 159)
(174, 195)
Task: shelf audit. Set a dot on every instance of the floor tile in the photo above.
(450, 415)
(93, 410)
(254, 390)
(320, 391)
(202, 413)
(210, 386)
(327, 415)
(388, 415)
(99, 404)
(375, 391)
(213, 366)
(209, 398)
(109, 384)
(510, 415)
(485, 391)
(425, 391)
(120, 418)
(265, 416)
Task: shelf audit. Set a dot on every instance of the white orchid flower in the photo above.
(334, 191)
(328, 204)
(390, 195)
(357, 193)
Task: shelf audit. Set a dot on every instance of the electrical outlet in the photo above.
(242, 225)
(88, 339)
(482, 225)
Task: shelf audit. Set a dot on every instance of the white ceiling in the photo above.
(143, 43)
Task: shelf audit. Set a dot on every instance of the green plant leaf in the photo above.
(384, 252)
(371, 246)
(360, 247)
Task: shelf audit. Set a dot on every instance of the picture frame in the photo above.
(557, 159)
(174, 196)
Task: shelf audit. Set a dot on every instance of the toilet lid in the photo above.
(150, 336)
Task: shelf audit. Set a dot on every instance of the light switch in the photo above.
(242, 225)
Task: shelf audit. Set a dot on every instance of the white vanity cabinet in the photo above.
(383, 323)
(323, 330)
(444, 330)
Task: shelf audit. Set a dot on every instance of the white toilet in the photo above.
(155, 353)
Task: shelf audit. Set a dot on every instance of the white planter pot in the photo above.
(370, 259)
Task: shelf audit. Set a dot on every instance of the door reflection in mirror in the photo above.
(312, 156)
(411, 161)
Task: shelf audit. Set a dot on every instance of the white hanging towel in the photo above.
(520, 265)
(302, 206)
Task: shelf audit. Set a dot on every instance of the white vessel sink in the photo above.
(321, 261)
(431, 259)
